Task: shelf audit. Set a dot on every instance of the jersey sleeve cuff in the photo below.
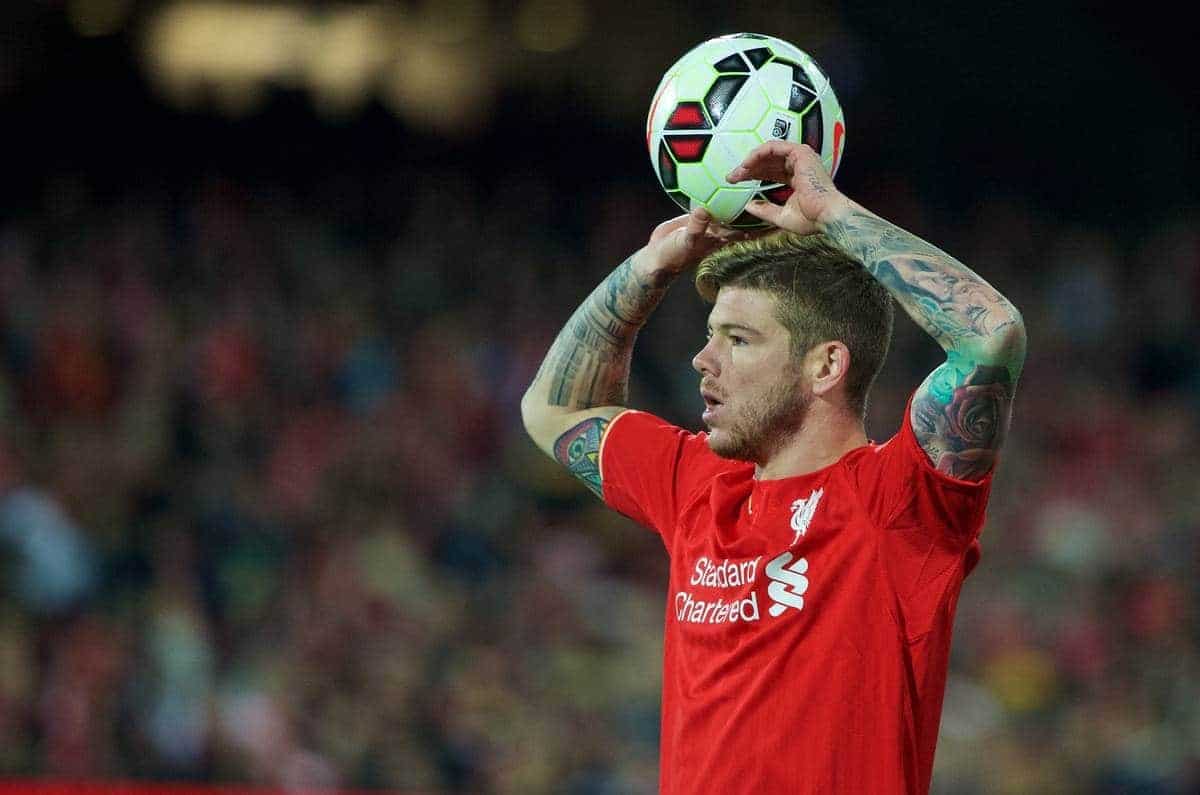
(608, 432)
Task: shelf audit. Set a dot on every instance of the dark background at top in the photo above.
(1089, 112)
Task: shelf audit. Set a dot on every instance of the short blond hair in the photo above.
(823, 294)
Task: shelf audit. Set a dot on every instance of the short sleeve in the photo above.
(900, 484)
(930, 524)
(649, 467)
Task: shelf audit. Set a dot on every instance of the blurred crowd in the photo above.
(267, 513)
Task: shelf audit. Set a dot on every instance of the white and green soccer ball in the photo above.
(724, 98)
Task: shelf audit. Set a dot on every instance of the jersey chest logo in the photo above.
(802, 513)
(788, 583)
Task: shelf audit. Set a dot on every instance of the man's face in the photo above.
(755, 396)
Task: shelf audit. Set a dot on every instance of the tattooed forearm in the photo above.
(960, 414)
(588, 364)
(951, 302)
(579, 451)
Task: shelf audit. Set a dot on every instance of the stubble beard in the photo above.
(766, 423)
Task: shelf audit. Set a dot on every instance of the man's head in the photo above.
(793, 319)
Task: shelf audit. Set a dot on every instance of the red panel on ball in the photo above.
(838, 131)
(687, 148)
(687, 116)
(778, 195)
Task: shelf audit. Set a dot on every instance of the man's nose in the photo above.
(705, 362)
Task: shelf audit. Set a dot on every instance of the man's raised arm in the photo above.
(961, 412)
(584, 380)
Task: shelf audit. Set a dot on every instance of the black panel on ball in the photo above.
(759, 56)
(733, 63)
(800, 98)
(666, 167)
(723, 90)
(814, 127)
(683, 201)
(798, 74)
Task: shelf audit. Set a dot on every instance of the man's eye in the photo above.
(736, 340)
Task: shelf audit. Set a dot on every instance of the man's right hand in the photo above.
(679, 244)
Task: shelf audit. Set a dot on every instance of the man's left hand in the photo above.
(814, 200)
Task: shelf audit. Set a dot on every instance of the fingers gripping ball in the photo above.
(722, 99)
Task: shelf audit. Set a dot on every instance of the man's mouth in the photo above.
(712, 405)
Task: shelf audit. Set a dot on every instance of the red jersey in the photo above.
(808, 618)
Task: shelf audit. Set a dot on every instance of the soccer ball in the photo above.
(721, 100)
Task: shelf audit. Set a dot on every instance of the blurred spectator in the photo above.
(267, 550)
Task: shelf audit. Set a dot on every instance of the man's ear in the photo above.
(828, 364)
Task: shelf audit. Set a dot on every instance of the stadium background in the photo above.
(273, 279)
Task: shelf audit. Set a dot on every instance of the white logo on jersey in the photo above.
(802, 513)
(782, 575)
(721, 573)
